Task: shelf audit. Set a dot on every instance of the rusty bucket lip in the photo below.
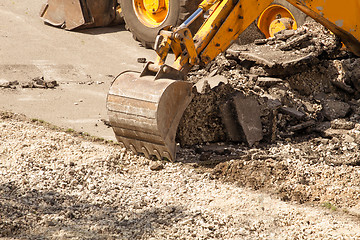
(147, 120)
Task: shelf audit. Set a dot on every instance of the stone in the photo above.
(212, 82)
(335, 133)
(322, 126)
(292, 112)
(39, 82)
(260, 41)
(51, 84)
(256, 58)
(273, 103)
(27, 85)
(248, 114)
(343, 86)
(284, 34)
(333, 109)
(308, 107)
(352, 72)
(302, 126)
(268, 81)
(106, 122)
(4, 83)
(342, 124)
(233, 129)
(348, 139)
(212, 148)
(157, 166)
(293, 43)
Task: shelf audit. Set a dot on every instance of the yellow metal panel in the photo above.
(345, 15)
(241, 16)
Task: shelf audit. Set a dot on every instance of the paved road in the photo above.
(83, 63)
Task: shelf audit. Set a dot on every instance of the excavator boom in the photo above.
(145, 109)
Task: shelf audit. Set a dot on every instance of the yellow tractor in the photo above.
(145, 109)
(145, 18)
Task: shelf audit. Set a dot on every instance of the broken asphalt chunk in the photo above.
(302, 126)
(333, 109)
(248, 114)
(292, 112)
(232, 127)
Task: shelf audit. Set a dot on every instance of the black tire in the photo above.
(179, 11)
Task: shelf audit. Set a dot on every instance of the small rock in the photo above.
(210, 81)
(285, 34)
(50, 224)
(70, 215)
(321, 127)
(157, 166)
(205, 156)
(342, 124)
(292, 112)
(335, 133)
(27, 85)
(348, 139)
(39, 82)
(302, 126)
(268, 81)
(308, 107)
(294, 42)
(343, 86)
(260, 41)
(106, 122)
(273, 103)
(4, 83)
(51, 84)
(333, 109)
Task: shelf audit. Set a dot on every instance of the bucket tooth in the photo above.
(145, 113)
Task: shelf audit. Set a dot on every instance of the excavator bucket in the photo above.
(145, 113)
(79, 13)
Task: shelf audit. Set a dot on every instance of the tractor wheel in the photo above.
(278, 16)
(144, 18)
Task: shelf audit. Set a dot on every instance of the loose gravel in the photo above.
(57, 186)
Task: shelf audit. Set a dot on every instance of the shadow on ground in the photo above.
(34, 214)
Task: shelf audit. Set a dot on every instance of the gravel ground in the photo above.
(55, 185)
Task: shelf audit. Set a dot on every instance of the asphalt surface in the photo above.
(83, 63)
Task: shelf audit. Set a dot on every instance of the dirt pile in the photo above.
(306, 99)
(301, 80)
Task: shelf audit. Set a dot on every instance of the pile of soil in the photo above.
(299, 90)
(307, 98)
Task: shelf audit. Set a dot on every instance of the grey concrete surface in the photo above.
(83, 63)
